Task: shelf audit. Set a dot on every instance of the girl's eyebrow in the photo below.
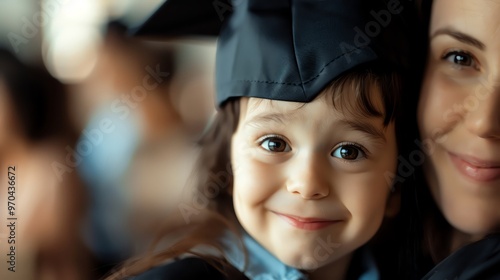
(281, 119)
(364, 127)
(260, 119)
(459, 36)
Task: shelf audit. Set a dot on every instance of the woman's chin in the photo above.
(475, 227)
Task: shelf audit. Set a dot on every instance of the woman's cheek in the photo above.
(436, 105)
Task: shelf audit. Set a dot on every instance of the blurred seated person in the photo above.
(35, 137)
(141, 144)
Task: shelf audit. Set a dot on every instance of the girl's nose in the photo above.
(484, 119)
(310, 177)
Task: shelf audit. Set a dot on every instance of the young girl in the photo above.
(299, 162)
(459, 121)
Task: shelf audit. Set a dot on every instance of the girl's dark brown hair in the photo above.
(213, 161)
(215, 176)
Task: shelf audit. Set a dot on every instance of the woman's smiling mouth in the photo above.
(476, 169)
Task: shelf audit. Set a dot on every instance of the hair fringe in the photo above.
(361, 82)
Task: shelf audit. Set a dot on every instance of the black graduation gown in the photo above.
(479, 260)
(189, 269)
(195, 268)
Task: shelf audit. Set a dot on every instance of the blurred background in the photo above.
(101, 128)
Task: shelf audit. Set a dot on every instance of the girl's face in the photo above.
(311, 183)
(459, 113)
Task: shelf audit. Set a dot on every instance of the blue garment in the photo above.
(102, 169)
(369, 270)
(262, 265)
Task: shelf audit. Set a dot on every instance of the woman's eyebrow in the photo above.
(460, 36)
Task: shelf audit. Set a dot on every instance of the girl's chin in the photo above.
(304, 263)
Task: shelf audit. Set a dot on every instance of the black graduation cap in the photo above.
(287, 49)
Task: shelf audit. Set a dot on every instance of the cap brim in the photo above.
(177, 18)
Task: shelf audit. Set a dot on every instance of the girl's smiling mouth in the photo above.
(306, 223)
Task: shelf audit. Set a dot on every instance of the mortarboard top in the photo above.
(288, 50)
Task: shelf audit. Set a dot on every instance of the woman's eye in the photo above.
(460, 58)
(348, 152)
(275, 144)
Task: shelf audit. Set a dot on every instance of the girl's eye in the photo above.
(348, 152)
(460, 58)
(275, 144)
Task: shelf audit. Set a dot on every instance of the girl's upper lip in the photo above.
(477, 162)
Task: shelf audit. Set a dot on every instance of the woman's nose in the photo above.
(310, 177)
(484, 119)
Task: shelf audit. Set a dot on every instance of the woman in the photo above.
(459, 123)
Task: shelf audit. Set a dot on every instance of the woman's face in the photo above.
(311, 183)
(459, 113)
